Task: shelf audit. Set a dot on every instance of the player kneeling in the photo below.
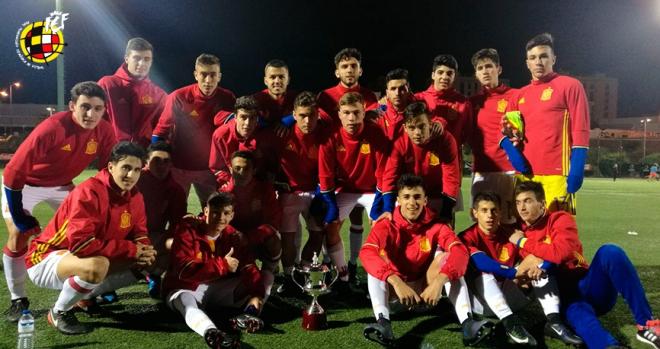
(212, 266)
(416, 256)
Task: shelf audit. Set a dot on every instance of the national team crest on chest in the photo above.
(146, 99)
(433, 159)
(504, 254)
(92, 146)
(501, 105)
(547, 94)
(365, 148)
(424, 245)
(125, 220)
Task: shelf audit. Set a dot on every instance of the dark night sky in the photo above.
(617, 38)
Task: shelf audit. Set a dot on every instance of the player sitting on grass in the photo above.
(415, 256)
(97, 240)
(586, 291)
(493, 257)
(212, 265)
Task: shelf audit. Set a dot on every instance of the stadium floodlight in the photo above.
(644, 121)
(16, 84)
(50, 110)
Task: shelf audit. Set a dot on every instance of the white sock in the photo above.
(114, 282)
(379, 292)
(74, 289)
(457, 292)
(547, 293)
(195, 318)
(355, 240)
(15, 273)
(336, 254)
(493, 295)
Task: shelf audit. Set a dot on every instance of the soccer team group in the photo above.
(261, 162)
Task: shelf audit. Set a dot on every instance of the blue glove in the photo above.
(376, 206)
(332, 212)
(576, 171)
(389, 200)
(515, 157)
(382, 107)
(288, 121)
(155, 138)
(547, 266)
(22, 221)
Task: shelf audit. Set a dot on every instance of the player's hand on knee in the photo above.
(407, 295)
(232, 262)
(432, 293)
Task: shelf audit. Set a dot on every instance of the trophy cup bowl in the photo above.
(314, 317)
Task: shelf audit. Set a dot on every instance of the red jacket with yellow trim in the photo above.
(95, 220)
(407, 249)
(495, 245)
(197, 260)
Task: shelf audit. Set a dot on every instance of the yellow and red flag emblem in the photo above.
(91, 147)
(424, 245)
(125, 220)
(547, 94)
(365, 148)
(501, 105)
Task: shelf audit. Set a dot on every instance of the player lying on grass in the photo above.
(412, 257)
(213, 265)
(492, 271)
(97, 240)
(586, 291)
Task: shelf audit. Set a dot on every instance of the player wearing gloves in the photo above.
(413, 257)
(42, 170)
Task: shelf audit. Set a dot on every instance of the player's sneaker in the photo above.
(650, 333)
(288, 288)
(380, 332)
(89, 306)
(153, 286)
(246, 322)
(516, 332)
(475, 331)
(218, 339)
(353, 278)
(560, 331)
(66, 322)
(108, 298)
(16, 308)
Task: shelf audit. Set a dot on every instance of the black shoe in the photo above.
(89, 306)
(649, 333)
(352, 274)
(108, 298)
(342, 289)
(16, 308)
(380, 332)
(217, 339)
(246, 322)
(560, 331)
(66, 322)
(474, 332)
(516, 332)
(288, 288)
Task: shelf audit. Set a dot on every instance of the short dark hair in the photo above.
(124, 149)
(220, 200)
(543, 39)
(138, 44)
(248, 103)
(305, 99)
(207, 59)
(348, 53)
(486, 196)
(396, 74)
(351, 98)
(276, 63)
(446, 60)
(486, 53)
(409, 180)
(535, 187)
(245, 154)
(159, 146)
(414, 110)
(87, 88)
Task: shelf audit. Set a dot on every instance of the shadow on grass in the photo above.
(73, 345)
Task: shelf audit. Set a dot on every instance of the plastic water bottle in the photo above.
(26, 331)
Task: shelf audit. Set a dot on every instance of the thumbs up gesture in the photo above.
(231, 261)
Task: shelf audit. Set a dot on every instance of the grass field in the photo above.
(606, 212)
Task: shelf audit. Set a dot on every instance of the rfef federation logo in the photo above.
(39, 43)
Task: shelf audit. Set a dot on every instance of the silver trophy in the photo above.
(314, 317)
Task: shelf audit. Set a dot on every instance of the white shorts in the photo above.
(501, 183)
(293, 206)
(203, 181)
(347, 201)
(32, 196)
(219, 293)
(44, 273)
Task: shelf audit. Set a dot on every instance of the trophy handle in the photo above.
(334, 268)
(293, 277)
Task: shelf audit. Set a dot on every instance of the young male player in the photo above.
(97, 240)
(586, 291)
(188, 123)
(275, 101)
(134, 103)
(212, 265)
(413, 257)
(42, 170)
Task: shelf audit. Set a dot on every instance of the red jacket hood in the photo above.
(122, 73)
(425, 219)
(105, 177)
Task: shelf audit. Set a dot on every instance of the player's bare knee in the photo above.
(94, 269)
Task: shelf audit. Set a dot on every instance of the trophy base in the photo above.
(314, 322)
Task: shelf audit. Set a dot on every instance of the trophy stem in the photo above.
(314, 317)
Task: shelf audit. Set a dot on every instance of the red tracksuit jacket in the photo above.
(496, 244)
(272, 110)
(254, 204)
(300, 157)
(407, 249)
(94, 220)
(165, 202)
(328, 100)
(451, 106)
